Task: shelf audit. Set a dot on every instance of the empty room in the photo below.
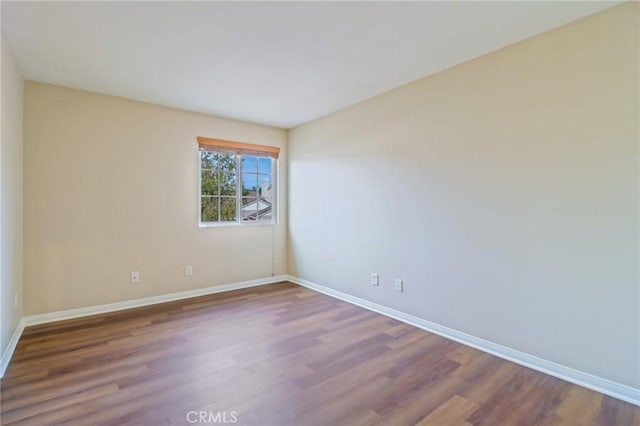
(320, 213)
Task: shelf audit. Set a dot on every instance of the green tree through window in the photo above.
(218, 186)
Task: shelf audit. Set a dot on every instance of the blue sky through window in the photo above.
(255, 171)
(249, 163)
(249, 181)
(264, 165)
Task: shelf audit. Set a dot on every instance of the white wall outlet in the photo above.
(135, 277)
(374, 279)
(399, 287)
(188, 270)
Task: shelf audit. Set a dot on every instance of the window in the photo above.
(237, 182)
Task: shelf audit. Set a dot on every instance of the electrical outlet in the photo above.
(188, 270)
(135, 277)
(399, 287)
(374, 279)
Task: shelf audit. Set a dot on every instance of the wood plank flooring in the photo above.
(276, 355)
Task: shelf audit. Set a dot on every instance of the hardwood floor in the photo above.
(277, 355)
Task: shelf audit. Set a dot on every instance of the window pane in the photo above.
(249, 163)
(227, 163)
(264, 188)
(209, 209)
(209, 183)
(249, 184)
(228, 209)
(257, 209)
(249, 209)
(207, 159)
(265, 209)
(228, 184)
(264, 165)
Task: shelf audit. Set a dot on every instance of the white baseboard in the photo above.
(598, 384)
(118, 306)
(11, 347)
(135, 303)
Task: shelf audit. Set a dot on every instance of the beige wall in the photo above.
(504, 192)
(10, 198)
(111, 186)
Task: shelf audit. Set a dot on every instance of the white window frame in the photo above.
(239, 222)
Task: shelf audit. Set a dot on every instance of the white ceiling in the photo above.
(276, 63)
